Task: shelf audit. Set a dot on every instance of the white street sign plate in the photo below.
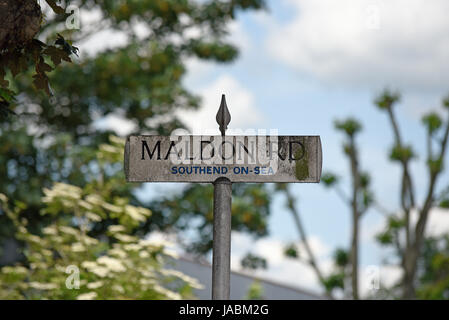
(238, 158)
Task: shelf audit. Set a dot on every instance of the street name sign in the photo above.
(238, 158)
(222, 160)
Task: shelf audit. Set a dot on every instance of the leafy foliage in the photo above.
(435, 165)
(55, 139)
(391, 232)
(349, 126)
(250, 210)
(329, 179)
(255, 291)
(359, 202)
(334, 281)
(19, 57)
(291, 251)
(385, 238)
(341, 257)
(387, 99)
(445, 102)
(120, 266)
(432, 121)
(434, 271)
(415, 249)
(253, 262)
(402, 154)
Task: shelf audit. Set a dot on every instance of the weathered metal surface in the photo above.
(221, 261)
(223, 160)
(238, 158)
(223, 116)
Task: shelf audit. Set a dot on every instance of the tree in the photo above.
(423, 259)
(52, 139)
(249, 213)
(255, 291)
(434, 269)
(291, 250)
(20, 21)
(410, 250)
(346, 264)
(65, 261)
(360, 200)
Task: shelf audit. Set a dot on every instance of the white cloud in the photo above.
(438, 223)
(238, 37)
(374, 277)
(240, 102)
(101, 40)
(117, 123)
(280, 268)
(372, 43)
(197, 70)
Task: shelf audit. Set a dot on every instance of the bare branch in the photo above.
(342, 195)
(291, 204)
(355, 216)
(407, 191)
(381, 209)
(420, 226)
(412, 253)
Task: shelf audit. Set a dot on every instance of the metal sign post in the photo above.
(223, 160)
(221, 260)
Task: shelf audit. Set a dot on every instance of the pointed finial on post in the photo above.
(223, 116)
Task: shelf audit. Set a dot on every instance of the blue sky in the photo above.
(305, 63)
(296, 98)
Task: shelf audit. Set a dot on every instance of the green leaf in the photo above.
(329, 179)
(435, 165)
(66, 46)
(334, 281)
(214, 51)
(41, 82)
(3, 83)
(368, 198)
(14, 64)
(446, 102)
(350, 126)
(402, 154)
(387, 99)
(7, 95)
(444, 204)
(56, 55)
(395, 222)
(432, 121)
(5, 110)
(365, 180)
(291, 251)
(253, 262)
(43, 67)
(385, 238)
(341, 257)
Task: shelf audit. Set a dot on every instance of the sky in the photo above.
(302, 65)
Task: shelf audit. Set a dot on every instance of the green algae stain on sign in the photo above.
(302, 165)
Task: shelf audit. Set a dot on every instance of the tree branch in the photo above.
(412, 254)
(407, 190)
(420, 226)
(355, 216)
(291, 204)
